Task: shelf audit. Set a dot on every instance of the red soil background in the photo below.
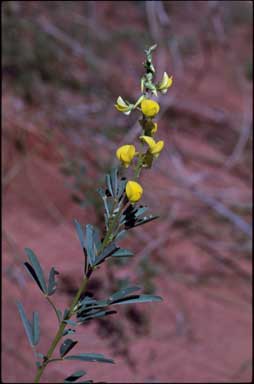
(64, 65)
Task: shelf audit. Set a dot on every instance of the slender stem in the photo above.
(62, 325)
(54, 307)
(61, 328)
(138, 167)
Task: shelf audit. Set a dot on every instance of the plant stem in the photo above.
(61, 328)
(138, 167)
(54, 307)
(82, 288)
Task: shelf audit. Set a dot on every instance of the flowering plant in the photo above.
(121, 212)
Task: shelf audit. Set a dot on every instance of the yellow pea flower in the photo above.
(122, 106)
(149, 107)
(125, 154)
(154, 148)
(165, 83)
(133, 191)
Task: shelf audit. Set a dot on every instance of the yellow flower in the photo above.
(133, 191)
(122, 106)
(149, 107)
(125, 154)
(154, 148)
(165, 83)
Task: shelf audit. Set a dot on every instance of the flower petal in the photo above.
(149, 107)
(133, 191)
(148, 140)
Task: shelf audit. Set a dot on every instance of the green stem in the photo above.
(82, 288)
(138, 167)
(61, 328)
(54, 307)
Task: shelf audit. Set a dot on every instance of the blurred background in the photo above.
(64, 64)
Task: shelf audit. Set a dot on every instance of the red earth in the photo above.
(202, 331)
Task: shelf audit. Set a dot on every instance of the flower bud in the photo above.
(133, 191)
(165, 83)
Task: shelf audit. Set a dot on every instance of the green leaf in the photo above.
(71, 322)
(141, 211)
(90, 244)
(87, 301)
(106, 208)
(85, 311)
(80, 233)
(97, 239)
(37, 268)
(67, 345)
(66, 311)
(101, 192)
(138, 299)
(111, 248)
(122, 253)
(121, 187)
(26, 323)
(104, 199)
(94, 357)
(36, 328)
(145, 220)
(114, 181)
(52, 282)
(94, 315)
(122, 293)
(109, 186)
(87, 305)
(120, 235)
(32, 273)
(75, 376)
(110, 203)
